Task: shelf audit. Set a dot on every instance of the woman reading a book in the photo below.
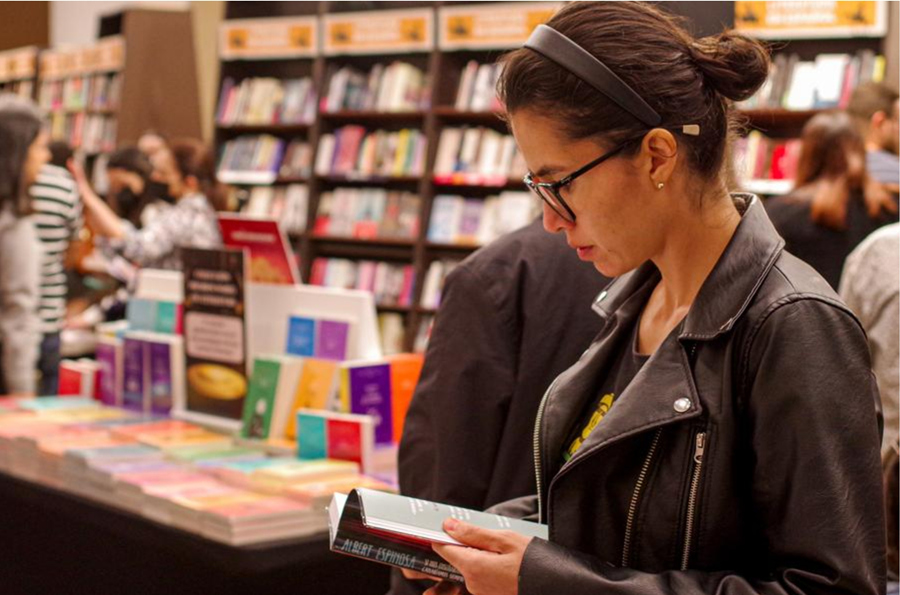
(721, 434)
(188, 171)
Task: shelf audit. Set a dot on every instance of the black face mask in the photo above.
(160, 191)
(127, 200)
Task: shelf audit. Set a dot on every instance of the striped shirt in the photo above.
(57, 218)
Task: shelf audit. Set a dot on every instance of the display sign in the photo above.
(379, 32)
(214, 336)
(271, 260)
(501, 26)
(775, 19)
(106, 55)
(278, 38)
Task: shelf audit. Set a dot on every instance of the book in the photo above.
(396, 87)
(386, 281)
(336, 436)
(366, 390)
(270, 257)
(368, 213)
(265, 100)
(353, 152)
(405, 371)
(317, 384)
(398, 531)
(260, 401)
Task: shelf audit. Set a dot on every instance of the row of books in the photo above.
(397, 87)
(477, 155)
(434, 282)
(289, 205)
(390, 284)
(24, 89)
(478, 221)
(171, 472)
(96, 92)
(355, 152)
(368, 213)
(93, 133)
(758, 157)
(477, 87)
(267, 154)
(265, 101)
(824, 83)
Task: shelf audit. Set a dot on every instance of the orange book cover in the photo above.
(405, 371)
(317, 382)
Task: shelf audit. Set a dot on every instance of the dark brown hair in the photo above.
(20, 125)
(193, 158)
(871, 98)
(828, 142)
(686, 80)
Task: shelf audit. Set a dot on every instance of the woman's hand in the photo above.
(490, 565)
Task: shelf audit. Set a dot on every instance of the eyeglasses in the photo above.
(549, 191)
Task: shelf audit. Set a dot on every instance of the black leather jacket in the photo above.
(743, 457)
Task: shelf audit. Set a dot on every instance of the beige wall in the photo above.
(206, 17)
(892, 47)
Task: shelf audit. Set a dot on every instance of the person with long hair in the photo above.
(187, 169)
(721, 433)
(23, 152)
(832, 208)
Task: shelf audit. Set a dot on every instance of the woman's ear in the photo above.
(660, 150)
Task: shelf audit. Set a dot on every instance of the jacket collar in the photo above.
(730, 286)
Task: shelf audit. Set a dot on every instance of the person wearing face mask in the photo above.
(23, 152)
(721, 434)
(187, 170)
(832, 209)
(131, 193)
(58, 214)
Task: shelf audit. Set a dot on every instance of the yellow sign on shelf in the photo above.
(269, 39)
(779, 19)
(491, 26)
(379, 32)
(18, 64)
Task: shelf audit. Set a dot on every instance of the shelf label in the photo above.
(779, 19)
(492, 26)
(278, 38)
(107, 54)
(18, 64)
(379, 32)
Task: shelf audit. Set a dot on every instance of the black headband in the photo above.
(558, 48)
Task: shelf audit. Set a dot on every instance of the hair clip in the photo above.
(691, 129)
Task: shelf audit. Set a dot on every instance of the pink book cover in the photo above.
(157, 427)
(162, 477)
(259, 509)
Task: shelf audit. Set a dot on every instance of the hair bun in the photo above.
(735, 65)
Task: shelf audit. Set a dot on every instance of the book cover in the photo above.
(405, 371)
(331, 340)
(398, 531)
(168, 318)
(336, 436)
(271, 260)
(141, 314)
(160, 376)
(260, 401)
(69, 379)
(109, 355)
(366, 390)
(134, 381)
(314, 390)
(301, 336)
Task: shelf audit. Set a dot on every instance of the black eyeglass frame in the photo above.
(554, 187)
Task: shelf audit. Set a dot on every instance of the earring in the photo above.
(659, 186)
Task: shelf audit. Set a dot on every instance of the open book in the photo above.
(398, 531)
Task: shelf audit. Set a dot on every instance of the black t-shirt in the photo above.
(623, 370)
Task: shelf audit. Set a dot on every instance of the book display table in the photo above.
(56, 542)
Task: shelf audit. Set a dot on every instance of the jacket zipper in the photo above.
(699, 447)
(636, 497)
(537, 447)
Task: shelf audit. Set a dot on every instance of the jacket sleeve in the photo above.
(20, 254)
(455, 421)
(811, 426)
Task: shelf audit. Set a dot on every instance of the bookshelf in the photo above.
(133, 79)
(441, 40)
(18, 71)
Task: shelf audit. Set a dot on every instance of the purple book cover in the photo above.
(331, 340)
(160, 377)
(106, 359)
(370, 394)
(133, 375)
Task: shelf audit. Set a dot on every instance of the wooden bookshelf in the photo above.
(19, 72)
(460, 32)
(145, 61)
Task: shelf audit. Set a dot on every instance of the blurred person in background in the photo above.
(58, 220)
(23, 152)
(876, 110)
(187, 169)
(832, 208)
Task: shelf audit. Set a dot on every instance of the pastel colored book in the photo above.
(278, 478)
(338, 436)
(399, 531)
(212, 452)
(319, 494)
(366, 390)
(173, 440)
(331, 339)
(141, 314)
(238, 473)
(135, 431)
(315, 388)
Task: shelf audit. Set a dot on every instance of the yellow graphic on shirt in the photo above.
(602, 409)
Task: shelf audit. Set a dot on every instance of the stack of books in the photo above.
(398, 87)
(824, 83)
(479, 221)
(368, 213)
(289, 205)
(354, 152)
(477, 88)
(391, 284)
(266, 101)
(477, 156)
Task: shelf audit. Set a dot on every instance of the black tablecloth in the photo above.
(54, 542)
